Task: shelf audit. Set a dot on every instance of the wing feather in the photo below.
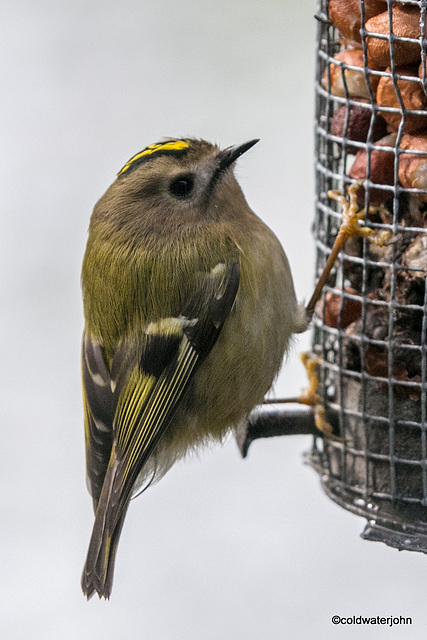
(145, 400)
(98, 407)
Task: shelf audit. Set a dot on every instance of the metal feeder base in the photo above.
(396, 524)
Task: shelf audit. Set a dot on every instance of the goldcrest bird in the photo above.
(189, 308)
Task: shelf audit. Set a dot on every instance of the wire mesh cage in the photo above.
(370, 330)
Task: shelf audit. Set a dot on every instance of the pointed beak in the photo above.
(230, 155)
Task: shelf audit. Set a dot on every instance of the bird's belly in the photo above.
(235, 376)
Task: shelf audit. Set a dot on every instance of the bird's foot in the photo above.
(352, 216)
(310, 396)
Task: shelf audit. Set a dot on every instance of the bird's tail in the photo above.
(98, 571)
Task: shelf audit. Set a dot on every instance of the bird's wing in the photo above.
(98, 407)
(148, 396)
(133, 403)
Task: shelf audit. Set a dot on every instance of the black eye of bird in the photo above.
(182, 187)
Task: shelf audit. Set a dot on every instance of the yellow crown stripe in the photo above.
(173, 145)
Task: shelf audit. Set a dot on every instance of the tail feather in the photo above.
(98, 571)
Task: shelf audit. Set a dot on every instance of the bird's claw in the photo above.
(309, 396)
(352, 216)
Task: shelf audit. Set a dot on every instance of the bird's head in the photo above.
(176, 182)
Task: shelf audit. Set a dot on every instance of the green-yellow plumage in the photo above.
(189, 308)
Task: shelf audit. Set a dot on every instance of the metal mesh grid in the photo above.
(371, 328)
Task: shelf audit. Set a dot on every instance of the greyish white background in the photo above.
(221, 548)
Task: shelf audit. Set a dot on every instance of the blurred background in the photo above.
(221, 548)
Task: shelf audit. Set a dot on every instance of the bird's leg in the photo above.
(351, 217)
(310, 397)
(350, 226)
